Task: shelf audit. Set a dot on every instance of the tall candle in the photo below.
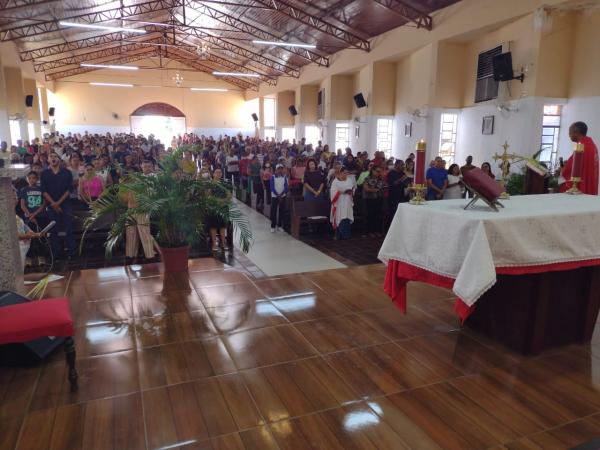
(420, 163)
(577, 171)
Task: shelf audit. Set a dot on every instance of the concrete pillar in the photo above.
(33, 113)
(4, 127)
(11, 267)
(15, 98)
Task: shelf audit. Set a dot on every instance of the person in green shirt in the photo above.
(363, 176)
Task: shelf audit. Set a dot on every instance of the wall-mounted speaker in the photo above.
(51, 112)
(360, 100)
(503, 68)
(29, 101)
(254, 117)
(293, 111)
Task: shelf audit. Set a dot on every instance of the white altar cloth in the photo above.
(468, 246)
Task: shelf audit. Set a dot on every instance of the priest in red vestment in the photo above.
(589, 178)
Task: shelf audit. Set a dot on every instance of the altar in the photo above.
(527, 276)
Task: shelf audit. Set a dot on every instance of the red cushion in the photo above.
(25, 322)
(483, 184)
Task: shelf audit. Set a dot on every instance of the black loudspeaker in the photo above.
(502, 64)
(254, 117)
(51, 112)
(29, 101)
(293, 111)
(360, 100)
(28, 353)
(503, 68)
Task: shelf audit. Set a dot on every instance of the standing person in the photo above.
(266, 173)
(487, 168)
(589, 180)
(32, 203)
(342, 204)
(313, 181)
(217, 224)
(233, 166)
(397, 184)
(279, 190)
(468, 166)
(454, 189)
(57, 183)
(90, 185)
(437, 180)
(373, 196)
(254, 179)
(77, 170)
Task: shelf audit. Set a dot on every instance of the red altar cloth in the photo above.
(399, 274)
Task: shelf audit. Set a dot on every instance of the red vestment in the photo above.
(589, 177)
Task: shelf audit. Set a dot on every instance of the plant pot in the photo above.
(175, 259)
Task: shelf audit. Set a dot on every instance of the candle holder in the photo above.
(577, 169)
(419, 198)
(574, 190)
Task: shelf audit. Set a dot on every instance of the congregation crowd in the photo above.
(68, 172)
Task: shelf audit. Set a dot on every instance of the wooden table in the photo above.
(536, 312)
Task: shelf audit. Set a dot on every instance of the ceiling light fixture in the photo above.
(100, 27)
(178, 79)
(284, 44)
(109, 66)
(236, 74)
(95, 83)
(209, 89)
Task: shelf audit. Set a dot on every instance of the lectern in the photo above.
(535, 180)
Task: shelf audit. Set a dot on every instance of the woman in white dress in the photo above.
(455, 186)
(341, 194)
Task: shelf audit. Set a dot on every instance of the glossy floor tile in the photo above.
(217, 359)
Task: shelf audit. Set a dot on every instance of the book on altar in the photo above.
(483, 184)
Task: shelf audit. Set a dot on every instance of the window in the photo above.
(269, 111)
(31, 131)
(312, 135)
(342, 135)
(269, 117)
(448, 126)
(15, 131)
(384, 136)
(42, 115)
(269, 133)
(288, 134)
(550, 130)
(485, 87)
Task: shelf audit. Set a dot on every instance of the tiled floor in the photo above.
(218, 359)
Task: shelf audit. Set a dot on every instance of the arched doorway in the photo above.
(160, 119)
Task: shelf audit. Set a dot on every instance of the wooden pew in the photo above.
(302, 209)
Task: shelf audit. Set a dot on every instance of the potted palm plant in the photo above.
(174, 204)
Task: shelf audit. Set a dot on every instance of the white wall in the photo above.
(522, 129)
(584, 109)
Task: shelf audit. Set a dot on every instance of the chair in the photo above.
(24, 322)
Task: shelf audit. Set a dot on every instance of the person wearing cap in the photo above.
(279, 189)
